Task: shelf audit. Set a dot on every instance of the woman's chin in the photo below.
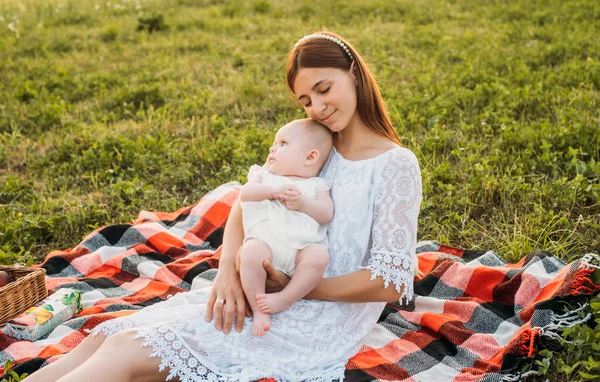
(335, 127)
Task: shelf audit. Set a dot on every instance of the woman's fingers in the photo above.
(219, 305)
(248, 309)
(270, 269)
(224, 310)
(210, 304)
(276, 280)
(240, 304)
(229, 313)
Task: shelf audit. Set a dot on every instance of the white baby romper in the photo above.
(374, 227)
(284, 230)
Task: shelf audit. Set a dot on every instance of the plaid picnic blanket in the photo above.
(474, 317)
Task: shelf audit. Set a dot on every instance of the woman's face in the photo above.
(328, 95)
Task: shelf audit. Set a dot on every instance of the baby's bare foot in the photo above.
(272, 303)
(261, 323)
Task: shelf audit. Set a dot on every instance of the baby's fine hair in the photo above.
(321, 137)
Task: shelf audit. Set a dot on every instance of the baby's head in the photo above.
(300, 149)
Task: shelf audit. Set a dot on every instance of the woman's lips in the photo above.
(329, 118)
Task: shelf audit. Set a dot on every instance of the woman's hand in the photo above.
(227, 299)
(276, 280)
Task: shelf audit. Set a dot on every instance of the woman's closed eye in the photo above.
(322, 92)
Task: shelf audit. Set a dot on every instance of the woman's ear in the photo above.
(353, 71)
(312, 157)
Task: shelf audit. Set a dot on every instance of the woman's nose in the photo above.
(319, 105)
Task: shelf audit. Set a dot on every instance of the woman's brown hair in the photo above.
(322, 53)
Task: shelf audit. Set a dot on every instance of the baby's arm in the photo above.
(256, 192)
(320, 209)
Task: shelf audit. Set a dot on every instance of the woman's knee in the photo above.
(120, 344)
(91, 343)
(128, 357)
(129, 353)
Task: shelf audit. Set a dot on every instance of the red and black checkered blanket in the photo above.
(474, 317)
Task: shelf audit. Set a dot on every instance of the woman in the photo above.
(376, 189)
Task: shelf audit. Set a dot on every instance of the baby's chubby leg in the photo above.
(310, 266)
(253, 276)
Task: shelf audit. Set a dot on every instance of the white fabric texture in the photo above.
(285, 231)
(374, 227)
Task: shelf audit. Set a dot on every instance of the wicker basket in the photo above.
(27, 289)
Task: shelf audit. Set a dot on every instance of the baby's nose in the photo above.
(272, 149)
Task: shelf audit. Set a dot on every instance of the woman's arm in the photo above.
(227, 286)
(352, 287)
(355, 287)
(390, 265)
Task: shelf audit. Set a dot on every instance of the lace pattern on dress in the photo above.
(368, 230)
(183, 363)
(394, 232)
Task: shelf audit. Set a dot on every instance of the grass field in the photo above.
(111, 107)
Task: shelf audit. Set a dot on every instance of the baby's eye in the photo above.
(283, 143)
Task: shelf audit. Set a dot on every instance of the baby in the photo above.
(285, 211)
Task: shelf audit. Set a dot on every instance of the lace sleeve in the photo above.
(394, 233)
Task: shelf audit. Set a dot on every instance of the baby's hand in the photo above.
(278, 192)
(293, 200)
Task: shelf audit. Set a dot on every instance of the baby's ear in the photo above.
(312, 157)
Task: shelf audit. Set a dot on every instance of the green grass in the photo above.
(99, 118)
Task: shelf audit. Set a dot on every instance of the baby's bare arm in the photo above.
(256, 192)
(320, 209)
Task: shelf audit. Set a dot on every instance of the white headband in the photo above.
(327, 37)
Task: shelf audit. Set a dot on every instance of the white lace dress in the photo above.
(374, 227)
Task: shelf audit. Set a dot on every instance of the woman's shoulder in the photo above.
(385, 148)
(399, 162)
(403, 153)
(397, 153)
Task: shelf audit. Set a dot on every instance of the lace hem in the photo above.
(395, 269)
(184, 364)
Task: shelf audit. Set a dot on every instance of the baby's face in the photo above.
(288, 153)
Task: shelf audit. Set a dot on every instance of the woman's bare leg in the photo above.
(121, 358)
(68, 362)
(253, 275)
(310, 266)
